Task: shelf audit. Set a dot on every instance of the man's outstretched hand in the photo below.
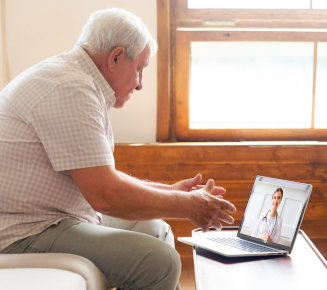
(207, 209)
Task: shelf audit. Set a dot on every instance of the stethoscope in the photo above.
(266, 218)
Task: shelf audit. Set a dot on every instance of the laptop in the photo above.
(270, 222)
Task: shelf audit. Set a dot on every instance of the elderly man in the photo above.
(57, 170)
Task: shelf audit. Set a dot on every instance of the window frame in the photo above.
(185, 25)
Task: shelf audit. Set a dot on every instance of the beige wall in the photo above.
(36, 29)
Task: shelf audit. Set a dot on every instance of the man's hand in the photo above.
(208, 210)
(194, 184)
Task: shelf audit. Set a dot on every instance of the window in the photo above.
(271, 76)
(242, 70)
(257, 4)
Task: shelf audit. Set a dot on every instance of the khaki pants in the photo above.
(132, 255)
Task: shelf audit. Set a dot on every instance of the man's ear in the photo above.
(115, 56)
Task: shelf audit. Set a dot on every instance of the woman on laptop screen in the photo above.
(269, 224)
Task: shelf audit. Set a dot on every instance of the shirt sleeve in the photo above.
(70, 122)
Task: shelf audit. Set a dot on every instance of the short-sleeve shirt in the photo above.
(53, 118)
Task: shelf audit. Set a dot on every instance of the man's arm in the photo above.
(183, 185)
(119, 195)
(145, 182)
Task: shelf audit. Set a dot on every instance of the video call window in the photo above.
(267, 198)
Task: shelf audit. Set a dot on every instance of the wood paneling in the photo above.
(163, 67)
(234, 167)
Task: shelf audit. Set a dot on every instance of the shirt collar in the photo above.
(90, 68)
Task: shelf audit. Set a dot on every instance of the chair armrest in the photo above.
(94, 278)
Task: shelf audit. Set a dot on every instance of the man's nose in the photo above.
(139, 82)
(139, 86)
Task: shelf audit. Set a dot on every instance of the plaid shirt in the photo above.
(53, 118)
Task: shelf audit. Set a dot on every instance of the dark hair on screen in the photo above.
(279, 189)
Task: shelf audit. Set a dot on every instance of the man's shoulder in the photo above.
(63, 69)
(52, 72)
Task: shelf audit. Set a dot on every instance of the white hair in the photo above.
(110, 28)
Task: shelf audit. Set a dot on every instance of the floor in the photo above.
(187, 280)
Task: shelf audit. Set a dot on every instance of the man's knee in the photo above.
(163, 268)
(156, 228)
(145, 263)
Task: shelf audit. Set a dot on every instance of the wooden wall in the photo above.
(234, 166)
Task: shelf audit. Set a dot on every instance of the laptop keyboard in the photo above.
(242, 244)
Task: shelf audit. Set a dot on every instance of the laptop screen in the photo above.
(274, 212)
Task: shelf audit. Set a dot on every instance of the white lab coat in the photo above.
(266, 223)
